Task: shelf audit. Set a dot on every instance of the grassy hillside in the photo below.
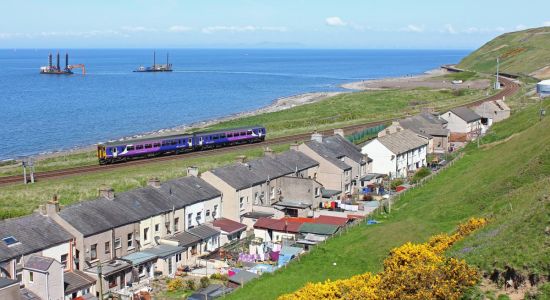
(521, 52)
(506, 180)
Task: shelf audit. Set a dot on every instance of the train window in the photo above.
(222, 136)
(114, 149)
(163, 143)
(174, 142)
(249, 132)
(236, 134)
(139, 147)
(243, 133)
(215, 137)
(156, 145)
(129, 148)
(190, 140)
(230, 135)
(147, 146)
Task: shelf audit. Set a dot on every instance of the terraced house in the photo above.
(341, 164)
(273, 185)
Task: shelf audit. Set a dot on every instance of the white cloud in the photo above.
(413, 28)
(335, 21)
(138, 29)
(86, 34)
(546, 23)
(249, 28)
(179, 28)
(521, 27)
(450, 29)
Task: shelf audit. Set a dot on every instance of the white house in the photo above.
(492, 112)
(397, 154)
(463, 120)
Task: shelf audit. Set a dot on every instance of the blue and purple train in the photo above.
(175, 144)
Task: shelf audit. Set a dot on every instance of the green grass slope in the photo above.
(520, 52)
(506, 180)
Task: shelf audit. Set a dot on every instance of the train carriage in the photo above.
(174, 144)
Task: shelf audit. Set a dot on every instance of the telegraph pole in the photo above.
(497, 84)
(99, 276)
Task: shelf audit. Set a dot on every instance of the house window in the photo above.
(170, 267)
(207, 214)
(130, 240)
(107, 247)
(199, 216)
(189, 219)
(256, 198)
(31, 276)
(64, 260)
(215, 210)
(157, 228)
(93, 252)
(272, 192)
(317, 191)
(241, 203)
(117, 243)
(176, 224)
(146, 234)
(178, 257)
(194, 250)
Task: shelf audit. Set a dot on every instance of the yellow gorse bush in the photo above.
(411, 271)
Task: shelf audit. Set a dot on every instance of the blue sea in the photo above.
(42, 113)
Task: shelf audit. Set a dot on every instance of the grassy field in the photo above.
(17, 200)
(334, 112)
(521, 52)
(354, 108)
(507, 180)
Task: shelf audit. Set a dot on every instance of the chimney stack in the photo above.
(154, 182)
(268, 152)
(294, 146)
(107, 192)
(317, 137)
(339, 132)
(241, 159)
(192, 171)
(52, 206)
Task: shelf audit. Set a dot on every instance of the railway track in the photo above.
(510, 88)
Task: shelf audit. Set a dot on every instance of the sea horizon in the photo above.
(206, 84)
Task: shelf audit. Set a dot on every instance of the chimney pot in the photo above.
(268, 152)
(107, 192)
(52, 206)
(318, 137)
(339, 132)
(241, 159)
(193, 171)
(154, 182)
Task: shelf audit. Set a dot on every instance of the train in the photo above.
(120, 151)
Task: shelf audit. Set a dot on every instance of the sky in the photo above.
(353, 24)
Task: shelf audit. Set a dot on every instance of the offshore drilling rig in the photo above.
(56, 70)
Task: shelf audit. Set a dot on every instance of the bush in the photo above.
(175, 284)
(191, 285)
(395, 183)
(218, 276)
(421, 173)
(205, 282)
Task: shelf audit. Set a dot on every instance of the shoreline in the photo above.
(278, 104)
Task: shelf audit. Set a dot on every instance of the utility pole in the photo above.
(497, 84)
(99, 276)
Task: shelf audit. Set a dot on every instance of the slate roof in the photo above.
(189, 190)
(26, 294)
(333, 148)
(228, 226)
(466, 114)
(185, 239)
(145, 202)
(257, 215)
(425, 124)
(138, 258)
(100, 215)
(77, 280)
(164, 251)
(241, 176)
(38, 263)
(204, 231)
(5, 282)
(487, 109)
(33, 233)
(402, 141)
(111, 267)
(317, 228)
